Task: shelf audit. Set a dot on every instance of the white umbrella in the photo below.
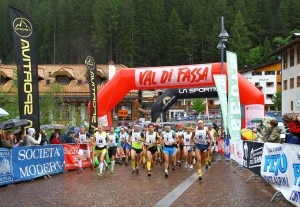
(52, 126)
(3, 112)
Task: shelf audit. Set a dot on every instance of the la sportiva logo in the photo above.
(90, 62)
(22, 27)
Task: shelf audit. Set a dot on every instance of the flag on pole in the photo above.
(207, 112)
(92, 79)
(25, 52)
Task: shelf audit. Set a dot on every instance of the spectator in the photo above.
(292, 126)
(30, 140)
(44, 140)
(273, 132)
(3, 141)
(55, 139)
(70, 138)
(19, 138)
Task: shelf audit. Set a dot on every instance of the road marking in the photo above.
(168, 199)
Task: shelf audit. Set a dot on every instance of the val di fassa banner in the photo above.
(27, 66)
(221, 85)
(280, 166)
(92, 74)
(234, 107)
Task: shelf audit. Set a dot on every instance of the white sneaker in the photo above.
(186, 165)
(191, 167)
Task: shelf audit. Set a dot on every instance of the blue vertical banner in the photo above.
(234, 105)
(6, 172)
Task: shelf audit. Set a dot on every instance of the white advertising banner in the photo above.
(234, 106)
(280, 166)
(221, 83)
(253, 111)
(236, 151)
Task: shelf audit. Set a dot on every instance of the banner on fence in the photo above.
(252, 156)
(71, 157)
(227, 147)
(236, 151)
(280, 166)
(6, 172)
(35, 161)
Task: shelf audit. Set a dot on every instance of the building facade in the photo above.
(290, 67)
(268, 79)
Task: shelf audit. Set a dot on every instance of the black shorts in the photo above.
(152, 149)
(112, 151)
(138, 151)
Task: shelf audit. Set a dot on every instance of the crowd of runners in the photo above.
(151, 144)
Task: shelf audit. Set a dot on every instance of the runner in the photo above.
(83, 140)
(170, 140)
(188, 148)
(123, 138)
(137, 139)
(202, 144)
(159, 154)
(214, 135)
(152, 139)
(101, 139)
(179, 149)
(112, 150)
(128, 146)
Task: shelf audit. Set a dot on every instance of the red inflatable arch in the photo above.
(185, 76)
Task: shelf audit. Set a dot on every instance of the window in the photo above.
(269, 96)
(62, 79)
(291, 83)
(278, 84)
(284, 60)
(298, 54)
(257, 84)
(269, 72)
(298, 81)
(292, 106)
(278, 72)
(292, 63)
(256, 73)
(285, 85)
(270, 84)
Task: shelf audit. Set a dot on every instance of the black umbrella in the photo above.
(12, 123)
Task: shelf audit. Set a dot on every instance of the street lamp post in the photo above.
(223, 36)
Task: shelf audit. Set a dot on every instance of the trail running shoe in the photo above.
(166, 174)
(149, 173)
(206, 166)
(200, 177)
(80, 170)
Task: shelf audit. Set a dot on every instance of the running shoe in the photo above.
(173, 167)
(200, 177)
(92, 167)
(206, 166)
(149, 173)
(178, 163)
(99, 174)
(111, 172)
(133, 172)
(209, 163)
(137, 171)
(166, 174)
(126, 163)
(80, 170)
(191, 167)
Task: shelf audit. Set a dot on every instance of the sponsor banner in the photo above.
(92, 79)
(280, 166)
(173, 75)
(236, 151)
(227, 148)
(103, 120)
(221, 146)
(6, 170)
(253, 111)
(252, 156)
(35, 161)
(234, 106)
(221, 84)
(71, 157)
(25, 52)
